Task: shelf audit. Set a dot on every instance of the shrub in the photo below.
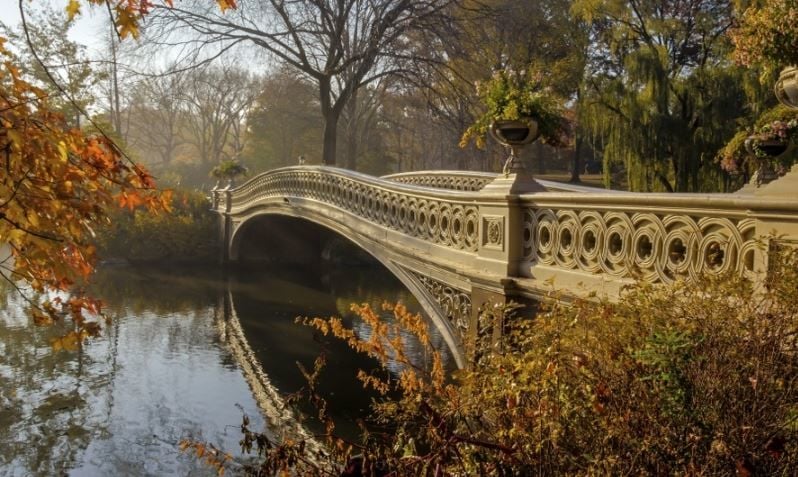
(185, 234)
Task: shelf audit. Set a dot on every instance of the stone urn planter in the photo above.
(787, 87)
(514, 134)
(772, 148)
(769, 147)
(763, 151)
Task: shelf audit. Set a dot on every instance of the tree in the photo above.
(55, 187)
(216, 102)
(662, 95)
(767, 33)
(156, 114)
(284, 122)
(505, 35)
(340, 46)
(56, 59)
(360, 119)
(57, 183)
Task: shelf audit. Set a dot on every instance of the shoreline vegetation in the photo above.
(183, 235)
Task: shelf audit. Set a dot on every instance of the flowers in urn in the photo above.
(519, 100)
(229, 169)
(773, 138)
(767, 144)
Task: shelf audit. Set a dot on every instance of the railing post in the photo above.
(779, 229)
(501, 241)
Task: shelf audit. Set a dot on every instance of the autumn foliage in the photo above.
(56, 187)
(128, 13)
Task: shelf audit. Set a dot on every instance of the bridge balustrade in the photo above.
(435, 216)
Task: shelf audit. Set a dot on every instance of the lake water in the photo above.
(186, 354)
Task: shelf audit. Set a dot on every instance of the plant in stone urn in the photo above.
(773, 138)
(767, 36)
(518, 110)
(762, 149)
(229, 169)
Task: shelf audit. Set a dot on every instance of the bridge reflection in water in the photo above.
(257, 320)
(174, 364)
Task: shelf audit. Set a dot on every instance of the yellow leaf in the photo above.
(33, 218)
(127, 22)
(72, 9)
(225, 4)
(40, 319)
(62, 151)
(15, 235)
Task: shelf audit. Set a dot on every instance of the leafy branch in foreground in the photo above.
(56, 186)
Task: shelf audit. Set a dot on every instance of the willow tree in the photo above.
(662, 93)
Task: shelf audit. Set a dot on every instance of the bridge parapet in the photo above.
(473, 181)
(656, 238)
(440, 217)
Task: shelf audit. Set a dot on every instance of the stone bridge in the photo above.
(460, 240)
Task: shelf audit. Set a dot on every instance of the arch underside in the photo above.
(447, 304)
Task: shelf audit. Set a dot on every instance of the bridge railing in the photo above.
(472, 181)
(569, 232)
(443, 217)
(650, 237)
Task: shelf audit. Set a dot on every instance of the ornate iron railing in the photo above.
(472, 181)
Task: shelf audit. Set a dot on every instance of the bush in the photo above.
(186, 234)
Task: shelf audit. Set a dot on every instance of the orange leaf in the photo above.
(225, 4)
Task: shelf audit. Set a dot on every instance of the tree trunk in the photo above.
(330, 114)
(576, 162)
(330, 139)
(116, 108)
(351, 132)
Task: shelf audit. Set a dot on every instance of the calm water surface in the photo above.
(186, 353)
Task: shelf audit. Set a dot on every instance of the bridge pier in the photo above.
(500, 255)
(221, 202)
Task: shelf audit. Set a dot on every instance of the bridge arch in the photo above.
(437, 301)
